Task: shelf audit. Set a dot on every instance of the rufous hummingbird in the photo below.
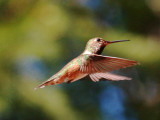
(91, 63)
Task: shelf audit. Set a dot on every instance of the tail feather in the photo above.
(50, 81)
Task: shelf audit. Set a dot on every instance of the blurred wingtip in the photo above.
(128, 78)
(122, 78)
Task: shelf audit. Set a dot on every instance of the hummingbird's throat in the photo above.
(94, 50)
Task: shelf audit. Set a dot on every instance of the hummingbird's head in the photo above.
(96, 45)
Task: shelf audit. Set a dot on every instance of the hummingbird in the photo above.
(91, 63)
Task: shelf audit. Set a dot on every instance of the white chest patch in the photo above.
(87, 52)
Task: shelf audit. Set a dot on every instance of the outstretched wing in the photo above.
(109, 76)
(92, 63)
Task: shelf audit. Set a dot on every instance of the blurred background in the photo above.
(38, 37)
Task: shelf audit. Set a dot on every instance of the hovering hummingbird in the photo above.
(91, 63)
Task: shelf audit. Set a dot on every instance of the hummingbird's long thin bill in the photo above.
(118, 41)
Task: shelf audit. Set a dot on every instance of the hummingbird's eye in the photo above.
(98, 39)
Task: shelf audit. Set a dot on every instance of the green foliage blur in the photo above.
(38, 37)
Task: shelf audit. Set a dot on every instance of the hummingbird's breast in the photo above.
(74, 73)
(71, 72)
